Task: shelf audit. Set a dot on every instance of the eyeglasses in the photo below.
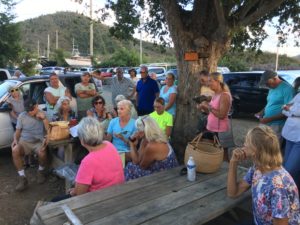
(143, 72)
(13, 90)
(98, 103)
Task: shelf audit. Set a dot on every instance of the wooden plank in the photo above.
(200, 211)
(163, 204)
(71, 216)
(140, 190)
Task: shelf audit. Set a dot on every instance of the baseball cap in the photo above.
(268, 74)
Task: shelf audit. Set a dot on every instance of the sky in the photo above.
(26, 9)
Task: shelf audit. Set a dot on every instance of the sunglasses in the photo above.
(13, 90)
(98, 103)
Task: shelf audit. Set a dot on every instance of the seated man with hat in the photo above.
(30, 137)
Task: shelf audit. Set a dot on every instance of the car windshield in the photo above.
(4, 87)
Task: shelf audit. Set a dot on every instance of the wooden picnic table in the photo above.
(161, 198)
(69, 154)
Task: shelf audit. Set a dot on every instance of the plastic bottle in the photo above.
(191, 169)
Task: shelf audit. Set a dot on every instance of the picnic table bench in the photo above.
(161, 198)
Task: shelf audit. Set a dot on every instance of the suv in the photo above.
(30, 87)
(248, 96)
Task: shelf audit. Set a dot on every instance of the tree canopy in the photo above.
(10, 37)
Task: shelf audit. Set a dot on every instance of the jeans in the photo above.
(292, 160)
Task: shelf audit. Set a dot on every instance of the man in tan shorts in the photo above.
(30, 137)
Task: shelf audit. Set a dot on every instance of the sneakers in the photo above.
(22, 183)
(41, 177)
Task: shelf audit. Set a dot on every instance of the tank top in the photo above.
(214, 123)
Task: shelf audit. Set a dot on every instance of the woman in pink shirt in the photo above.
(219, 106)
(102, 167)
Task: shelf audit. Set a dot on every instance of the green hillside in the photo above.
(72, 25)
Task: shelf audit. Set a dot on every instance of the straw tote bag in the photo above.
(58, 130)
(207, 154)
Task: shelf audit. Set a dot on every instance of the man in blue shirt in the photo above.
(147, 90)
(280, 93)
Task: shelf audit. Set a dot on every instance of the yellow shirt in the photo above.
(164, 120)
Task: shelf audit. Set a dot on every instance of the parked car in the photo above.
(30, 87)
(160, 71)
(4, 75)
(248, 96)
(50, 69)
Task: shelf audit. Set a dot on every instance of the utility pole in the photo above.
(38, 49)
(141, 39)
(56, 39)
(91, 30)
(48, 47)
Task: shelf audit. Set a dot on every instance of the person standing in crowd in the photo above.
(146, 92)
(275, 197)
(98, 111)
(121, 128)
(154, 77)
(29, 137)
(101, 167)
(85, 92)
(18, 74)
(168, 93)
(290, 133)
(163, 118)
(52, 94)
(280, 93)
(73, 101)
(64, 110)
(219, 107)
(16, 102)
(206, 94)
(132, 73)
(119, 98)
(155, 153)
(121, 85)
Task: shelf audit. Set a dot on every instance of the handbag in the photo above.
(58, 130)
(207, 154)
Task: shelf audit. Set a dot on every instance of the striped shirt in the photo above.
(121, 87)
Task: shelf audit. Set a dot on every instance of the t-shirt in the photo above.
(17, 107)
(274, 195)
(278, 97)
(164, 120)
(166, 97)
(146, 94)
(127, 131)
(101, 168)
(32, 129)
(121, 87)
(56, 92)
(83, 104)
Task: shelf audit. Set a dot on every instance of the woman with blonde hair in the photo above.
(275, 198)
(154, 154)
(218, 108)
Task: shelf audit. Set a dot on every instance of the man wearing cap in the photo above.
(52, 94)
(280, 93)
(85, 92)
(30, 137)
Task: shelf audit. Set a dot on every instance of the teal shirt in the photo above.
(278, 97)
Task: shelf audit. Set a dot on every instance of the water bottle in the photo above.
(191, 169)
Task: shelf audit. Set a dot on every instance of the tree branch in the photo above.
(264, 7)
(220, 15)
(246, 8)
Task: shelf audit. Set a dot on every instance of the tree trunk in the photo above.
(185, 125)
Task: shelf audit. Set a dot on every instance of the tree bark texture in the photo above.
(207, 30)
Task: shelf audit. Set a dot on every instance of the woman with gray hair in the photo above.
(155, 153)
(102, 167)
(121, 128)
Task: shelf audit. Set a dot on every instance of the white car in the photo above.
(159, 71)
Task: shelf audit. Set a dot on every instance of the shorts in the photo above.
(30, 147)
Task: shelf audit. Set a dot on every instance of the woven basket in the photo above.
(207, 154)
(58, 130)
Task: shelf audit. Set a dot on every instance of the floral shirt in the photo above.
(274, 195)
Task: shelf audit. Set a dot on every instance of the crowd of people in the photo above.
(133, 139)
